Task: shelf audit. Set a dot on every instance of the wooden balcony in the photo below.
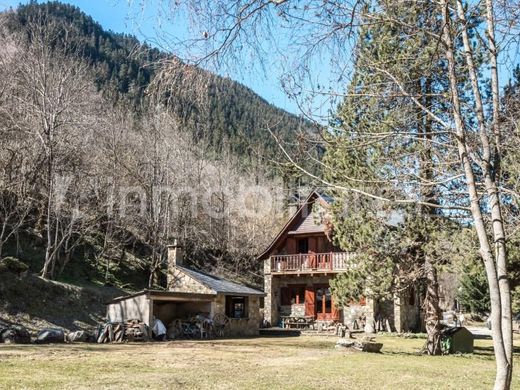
(308, 263)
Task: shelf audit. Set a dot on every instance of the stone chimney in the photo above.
(174, 254)
(174, 260)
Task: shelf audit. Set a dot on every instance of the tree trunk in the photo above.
(48, 249)
(432, 311)
(500, 343)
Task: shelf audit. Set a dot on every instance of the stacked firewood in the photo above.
(135, 330)
(117, 332)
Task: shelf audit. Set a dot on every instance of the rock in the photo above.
(369, 327)
(344, 343)
(78, 336)
(46, 336)
(369, 346)
(15, 334)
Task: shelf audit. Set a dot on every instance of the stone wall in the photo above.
(356, 315)
(294, 310)
(270, 303)
(272, 285)
(407, 313)
(239, 327)
(178, 281)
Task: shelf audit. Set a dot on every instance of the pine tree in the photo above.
(379, 144)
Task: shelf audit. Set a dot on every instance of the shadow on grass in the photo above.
(489, 350)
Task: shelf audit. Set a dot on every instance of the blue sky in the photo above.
(129, 17)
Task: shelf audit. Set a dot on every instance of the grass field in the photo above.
(297, 363)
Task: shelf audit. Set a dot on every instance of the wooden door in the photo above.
(313, 247)
(310, 302)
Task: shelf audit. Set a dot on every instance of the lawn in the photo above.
(297, 362)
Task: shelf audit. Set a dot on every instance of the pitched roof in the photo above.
(313, 197)
(308, 224)
(220, 285)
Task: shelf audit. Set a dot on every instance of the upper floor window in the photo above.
(303, 245)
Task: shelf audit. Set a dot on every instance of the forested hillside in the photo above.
(219, 110)
(104, 161)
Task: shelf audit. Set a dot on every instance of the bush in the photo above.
(13, 265)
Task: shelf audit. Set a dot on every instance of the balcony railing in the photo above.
(310, 262)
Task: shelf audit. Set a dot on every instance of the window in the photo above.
(303, 245)
(236, 307)
(291, 295)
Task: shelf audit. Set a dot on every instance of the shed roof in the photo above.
(220, 285)
(166, 295)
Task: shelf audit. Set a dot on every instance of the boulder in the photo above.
(344, 343)
(15, 334)
(13, 265)
(368, 346)
(46, 336)
(79, 336)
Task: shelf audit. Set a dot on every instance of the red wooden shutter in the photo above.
(310, 299)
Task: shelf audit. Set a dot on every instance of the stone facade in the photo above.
(272, 285)
(240, 327)
(355, 315)
(407, 314)
(179, 281)
(403, 313)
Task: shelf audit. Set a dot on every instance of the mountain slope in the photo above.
(222, 112)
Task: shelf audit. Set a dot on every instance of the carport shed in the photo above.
(165, 305)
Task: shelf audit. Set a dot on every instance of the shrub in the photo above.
(13, 265)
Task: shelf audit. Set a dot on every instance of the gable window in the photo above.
(236, 307)
(303, 245)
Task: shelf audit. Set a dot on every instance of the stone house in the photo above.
(299, 264)
(191, 292)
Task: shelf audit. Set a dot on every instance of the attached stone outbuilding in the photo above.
(190, 292)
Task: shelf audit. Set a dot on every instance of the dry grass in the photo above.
(298, 363)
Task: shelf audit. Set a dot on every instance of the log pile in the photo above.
(117, 332)
(135, 330)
